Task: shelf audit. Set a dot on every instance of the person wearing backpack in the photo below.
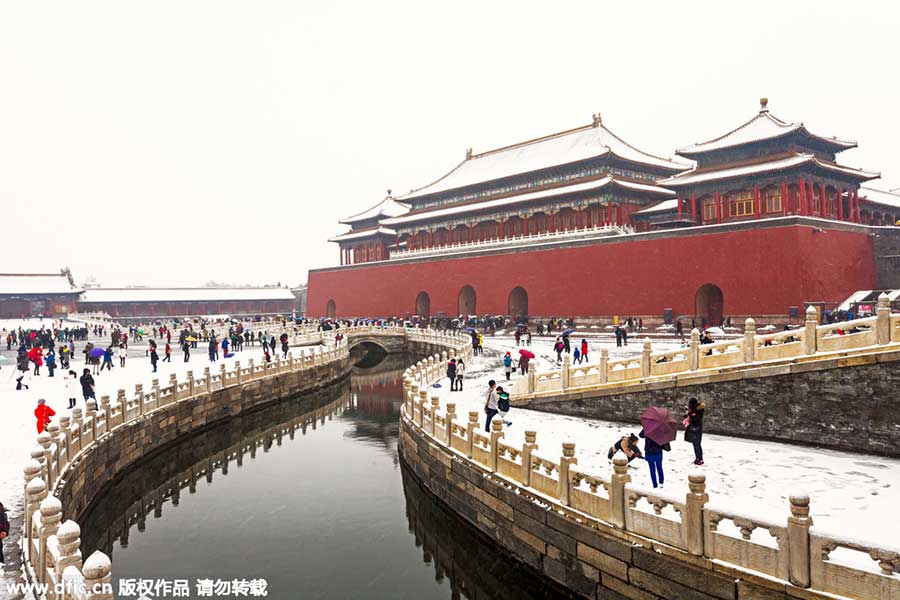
(503, 405)
(490, 404)
(507, 365)
(4, 530)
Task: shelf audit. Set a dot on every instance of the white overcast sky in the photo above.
(171, 143)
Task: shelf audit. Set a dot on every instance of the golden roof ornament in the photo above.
(763, 105)
(468, 153)
(596, 120)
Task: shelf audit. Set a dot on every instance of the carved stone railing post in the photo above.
(451, 415)
(749, 340)
(617, 482)
(154, 385)
(223, 375)
(496, 435)
(528, 447)
(532, 377)
(291, 361)
(207, 377)
(35, 492)
(44, 442)
(78, 419)
(123, 402)
(471, 426)
(250, 368)
(414, 394)
(645, 358)
(435, 402)
(423, 402)
(798, 540)
(173, 385)
(191, 382)
(65, 428)
(139, 393)
(810, 340)
(567, 459)
(69, 538)
(604, 365)
(883, 319)
(237, 371)
(98, 575)
(694, 350)
(107, 410)
(51, 514)
(692, 520)
(564, 373)
(55, 450)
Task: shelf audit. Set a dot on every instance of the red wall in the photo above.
(760, 271)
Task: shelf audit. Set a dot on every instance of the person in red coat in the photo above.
(43, 414)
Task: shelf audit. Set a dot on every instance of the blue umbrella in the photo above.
(97, 352)
(568, 332)
(470, 329)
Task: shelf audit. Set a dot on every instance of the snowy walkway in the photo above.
(854, 494)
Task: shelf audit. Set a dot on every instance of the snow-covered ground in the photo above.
(852, 494)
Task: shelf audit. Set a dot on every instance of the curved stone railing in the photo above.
(813, 341)
(52, 548)
(567, 507)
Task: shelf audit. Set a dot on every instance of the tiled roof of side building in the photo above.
(573, 145)
(388, 207)
(767, 165)
(362, 234)
(30, 284)
(763, 126)
(891, 199)
(139, 294)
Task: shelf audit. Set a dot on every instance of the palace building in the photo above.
(583, 223)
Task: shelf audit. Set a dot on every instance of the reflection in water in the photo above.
(313, 502)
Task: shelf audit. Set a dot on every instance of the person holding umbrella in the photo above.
(659, 428)
(524, 357)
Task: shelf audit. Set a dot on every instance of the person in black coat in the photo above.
(694, 429)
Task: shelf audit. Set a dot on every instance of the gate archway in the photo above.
(423, 305)
(466, 300)
(518, 302)
(710, 305)
(331, 309)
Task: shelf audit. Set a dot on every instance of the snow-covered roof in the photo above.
(365, 233)
(386, 208)
(793, 159)
(561, 148)
(763, 126)
(880, 197)
(185, 294)
(587, 186)
(25, 284)
(663, 206)
(860, 296)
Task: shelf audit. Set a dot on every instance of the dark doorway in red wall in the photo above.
(331, 309)
(518, 302)
(466, 300)
(423, 305)
(710, 305)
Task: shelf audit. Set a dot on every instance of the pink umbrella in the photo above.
(659, 425)
(526, 353)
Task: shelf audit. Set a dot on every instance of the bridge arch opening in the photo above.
(466, 300)
(331, 309)
(423, 305)
(518, 302)
(710, 305)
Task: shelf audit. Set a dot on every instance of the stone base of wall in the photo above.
(843, 403)
(589, 558)
(89, 475)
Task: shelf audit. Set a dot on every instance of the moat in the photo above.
(308, 494)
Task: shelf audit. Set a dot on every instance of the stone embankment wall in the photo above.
(841, 403)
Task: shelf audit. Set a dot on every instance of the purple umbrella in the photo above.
(96, 352)
(659, 425)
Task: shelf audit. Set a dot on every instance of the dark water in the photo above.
(309, 495)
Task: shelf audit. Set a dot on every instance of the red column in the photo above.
(525, 225)
(802, 190)
(718, 208)
(678, 201)
(757, 209)
(811, 197)
(431, 238)
(822, 201)
(858, 211)
(693, 208)
(840, 204)
(784, 197)
(552, 222)
(342, 256)
(580, 219)
(608, 213)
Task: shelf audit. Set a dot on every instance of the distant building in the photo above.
(300, 303)
(152, 303)
(36, 294)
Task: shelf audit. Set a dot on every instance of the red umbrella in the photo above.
(33, 353)
(659, 425)
(526, 353)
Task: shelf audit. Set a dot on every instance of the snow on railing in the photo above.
(786, 549)
(475, 245)
(753, 348)
(51, 555)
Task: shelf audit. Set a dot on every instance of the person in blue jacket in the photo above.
(653, 454)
